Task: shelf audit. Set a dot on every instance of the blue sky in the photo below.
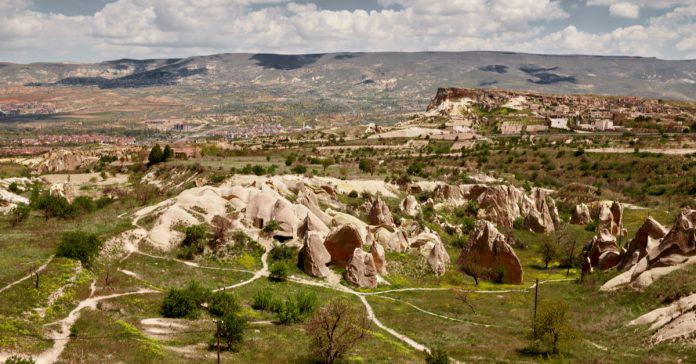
(95, 30)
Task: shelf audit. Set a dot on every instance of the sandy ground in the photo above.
(84, 178)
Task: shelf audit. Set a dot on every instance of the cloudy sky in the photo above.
(95, 30)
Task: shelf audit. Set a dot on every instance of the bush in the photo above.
(184, 302)
(271, 226)
(552, 329)
(297, 308)
(283, 253)
(222, 304)
(264, 300)
(195, 237)
(16, 359)
(437, 355)
(230, 330)
(19, 213)
(279, 271)
(336, 329)
(54, 206)
(592, 226)
(299, 169)
(84, 204)
(79, 245)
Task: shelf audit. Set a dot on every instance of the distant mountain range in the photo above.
(392, 75)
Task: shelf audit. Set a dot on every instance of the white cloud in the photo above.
(162, 28)
(625, 10)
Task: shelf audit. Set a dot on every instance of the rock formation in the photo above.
(503, 204)
(341, 242)
(378, 257)
(602, 250)
(647, 238)
(314, 257)
(409, 206)
(361, 270)
(488, 256)
(392, 239)
(580, 215)
(430, 246)
(380, 214)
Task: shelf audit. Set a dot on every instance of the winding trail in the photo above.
(39, 269)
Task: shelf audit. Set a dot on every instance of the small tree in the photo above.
(79, 245)
(549, 250)
(230, 330)
(19, 213)
(336, 329)
(464, 297)
(222, 304)
(278, 271)
(155, 156)
(220, 227)
(552, 329)
(368, 165)
(167, 153)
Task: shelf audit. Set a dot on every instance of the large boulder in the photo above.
(617, 215)
(580, 215)
(314, 257)
(680, 241)
(409, 206)
(504, 204)
(378, 257)
(449, 193)
(431, 248)
(488, 256)
(361, 270)
(341, 242)
(380, 214)
(539, 218)
(610, 217)
(602, 243)
(309, 199)
(392, 239)
(647, 237)
(284, 214)
(260, 206)
(311, 223)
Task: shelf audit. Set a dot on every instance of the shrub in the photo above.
(336, 329)
(270, 227)
(437, 355)
(592, 226)
(353, 194)
(264, 300)
(54, 206)
(299, 169)
(289, 312)
(217, 178)
(101, 202)
(19, 213)
(230, 330)
(368, 165)
(552, 329)
(518, 224)
(195, 237)
(79, 245)
(279, 271)
(84, 204)
(283, 253)
(222, 304)
(185, 302)
(306, 302)
(16, 359)
(13, 187)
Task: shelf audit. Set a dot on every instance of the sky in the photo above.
(97, 30)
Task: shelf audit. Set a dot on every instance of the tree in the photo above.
(195, 237)
(278, 271)
(167, 153)
(155, 156)
(552, 329)
(299, 169)
(336, 329)
(54, 206)
(185, 302)
(79, 245)
(231, 331)
(222, 304)
(464, 297)
(368, 165)
(549, 250)
(19, 213)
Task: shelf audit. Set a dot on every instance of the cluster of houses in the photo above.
(26, 108)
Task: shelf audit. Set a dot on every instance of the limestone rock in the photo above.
(309, 199)
(361, 270)
(392, 239)
(409, 206)
(314, 257)
(341, 242)
(380, 214)
(378, 257)
(679, 243)
(647, 237)
(580, 215)
(430, 246)
(488, 256)
(602, 243)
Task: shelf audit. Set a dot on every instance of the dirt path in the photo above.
(39, 269)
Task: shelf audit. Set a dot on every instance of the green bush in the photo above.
(231, 331)
(552, 329)
(194, 241)
(54, 206)
(264, 300)
(437, 355)
(185, 302)
(299, 169)
(270, 227)
(79, 245)
(19, 213)
(283, 253)
(279, 271)
(297, 308)
(289, 312)
(222, 303)
(84, 204)
(16, 359)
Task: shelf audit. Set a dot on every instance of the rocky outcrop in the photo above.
(380, 214)
(488, 256)
(503, 204)
(680, 241)
(284, 214)
(581, 215)
(450, 193)
(341, 242)
(361, 270)
(674, 322)
(64, 161)
(308, 198)
(314, 257)
(609, 217)
(647, 238)
(602, 251)
(311, 224)
(409, 206)
(392, 239)
(63, 189)
(378, 257)
(430, 247)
